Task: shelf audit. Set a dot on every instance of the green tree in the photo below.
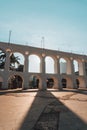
(2, 59)
(14, 60)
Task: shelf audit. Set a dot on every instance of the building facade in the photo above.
(20, 77)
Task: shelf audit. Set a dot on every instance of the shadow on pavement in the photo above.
(48, 113)
(46, 103)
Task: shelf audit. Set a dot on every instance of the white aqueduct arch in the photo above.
(39, 57)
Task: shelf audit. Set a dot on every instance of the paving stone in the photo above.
(49, 119)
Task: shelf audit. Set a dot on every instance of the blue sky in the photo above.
(62, 23)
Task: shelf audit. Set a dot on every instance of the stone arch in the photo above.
(42, 53)
(80, 82)
(51, 82)
(49, 64)
(34, 63)
(63, 65)
(66, 82)
(17, 61)
(15, 81)
(77, 83)
(78, 66)
(34, 81)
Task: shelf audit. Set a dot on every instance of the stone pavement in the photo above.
(43, 110)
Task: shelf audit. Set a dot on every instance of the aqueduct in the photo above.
(51, 72)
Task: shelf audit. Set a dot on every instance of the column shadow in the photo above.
(40, 113)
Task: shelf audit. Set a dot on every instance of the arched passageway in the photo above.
(1, 81)
(77, 83)
(50, 82)
(80, 82)
(15, 81)
(34, 82)
(43, 63)
(64, 83)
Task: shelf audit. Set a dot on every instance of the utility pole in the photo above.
(9, 36)
(42, 42)
(8, 49)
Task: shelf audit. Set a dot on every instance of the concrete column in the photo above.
(57, 66)
(73, 74)
(7, 62)
(42, 65)
(26, 75)
(85, 78)
(6, 70)
(42, 70)
(84, 72)
(26, 81)
(69, 67)
(26, 63)
(55, 86)
(83, 68)
(59, 82)
(44, 85)
(5, 83)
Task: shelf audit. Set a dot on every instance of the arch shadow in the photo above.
(45, 100)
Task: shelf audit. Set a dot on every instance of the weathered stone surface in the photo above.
(28, 110)
(49, 119)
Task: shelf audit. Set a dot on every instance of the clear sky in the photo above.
(62, 23)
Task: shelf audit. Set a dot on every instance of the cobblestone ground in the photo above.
(49, 119)
(43, 110)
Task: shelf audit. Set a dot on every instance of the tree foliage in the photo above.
(2, 59)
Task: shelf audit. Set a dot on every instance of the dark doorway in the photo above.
(0, 85)
(77, 83)
(50, 82)
(34, 82)
(64, 83)
(15, 82)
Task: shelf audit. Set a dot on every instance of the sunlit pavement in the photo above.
(20, 110)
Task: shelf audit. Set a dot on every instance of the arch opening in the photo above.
(34, 82)
(63, 66)
(16, 62)
(49, 63)
(64, 83)
(76, 67)
(34, 64)
(15, 82)
(80, 82)
(50, 82)
(77, 83)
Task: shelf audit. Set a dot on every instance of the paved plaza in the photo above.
(43, 110)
